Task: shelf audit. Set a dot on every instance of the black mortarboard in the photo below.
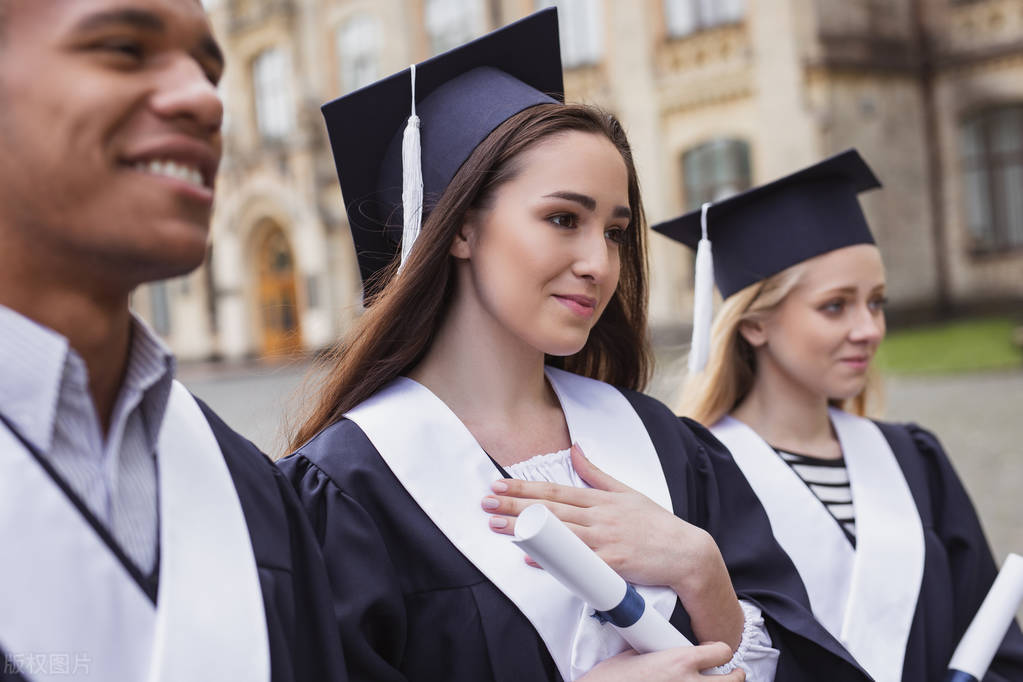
(762, 231)
(461, 96)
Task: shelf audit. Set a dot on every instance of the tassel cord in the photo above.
(703, 299)
(411, 179)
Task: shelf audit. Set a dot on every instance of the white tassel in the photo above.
(703, 299)
(411, 180)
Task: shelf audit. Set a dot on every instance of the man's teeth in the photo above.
(172, 169)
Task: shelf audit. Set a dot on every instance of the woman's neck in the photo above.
(788, 416)
(495, 383)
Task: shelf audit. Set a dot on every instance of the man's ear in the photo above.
(461, 245)
(753, 331)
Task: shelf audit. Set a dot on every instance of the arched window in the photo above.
(449, 23)
(358, 50)
(271, 87)
(991, 144)
(715, 170)
(581, 25)
(682, 17)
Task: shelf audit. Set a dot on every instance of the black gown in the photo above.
(958, 565)
(304, 645)
(410, 606)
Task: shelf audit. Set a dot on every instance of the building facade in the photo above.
(716, 95)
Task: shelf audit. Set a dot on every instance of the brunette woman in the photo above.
(489, 342)
(877, 522)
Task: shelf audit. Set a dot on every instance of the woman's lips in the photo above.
(583, 306)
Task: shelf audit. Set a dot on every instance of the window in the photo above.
(271, 85)
(159, 308)
(715, 170)
(683, 17)
(225, 117)
(581, 25)
(312, 291)
(449, 23)
(211, 290)
(358, 44)
(992, 163)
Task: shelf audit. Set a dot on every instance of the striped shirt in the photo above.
(828, 480)
(44, 395)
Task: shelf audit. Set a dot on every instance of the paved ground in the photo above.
(978, 417)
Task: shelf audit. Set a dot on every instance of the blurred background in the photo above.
(717, 96)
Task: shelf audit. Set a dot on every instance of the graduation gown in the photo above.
(903, 598)
(411, 606)
(302, 637)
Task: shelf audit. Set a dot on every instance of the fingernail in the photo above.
(499, 487)
(498, 522)
(490, 503)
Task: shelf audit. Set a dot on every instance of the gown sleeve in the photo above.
(315, 646)
(971, 564)
(366, 597)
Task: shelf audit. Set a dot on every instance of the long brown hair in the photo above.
(400, 322)
(731, 368)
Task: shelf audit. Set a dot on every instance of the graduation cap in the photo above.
(398, 142)
(764, 230)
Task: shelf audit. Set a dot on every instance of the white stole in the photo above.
(447, 473)
(66, 595)
(865, 597)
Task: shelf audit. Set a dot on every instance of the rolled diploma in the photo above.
(567, 558)
(978, 646)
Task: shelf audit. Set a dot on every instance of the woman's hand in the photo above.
(682, 664)
(643, 542)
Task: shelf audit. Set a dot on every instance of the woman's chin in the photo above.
(564, 347)
(846, 392)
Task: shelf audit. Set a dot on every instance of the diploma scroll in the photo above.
(978, 646)
(567, 558)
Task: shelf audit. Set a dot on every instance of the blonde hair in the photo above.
(710, 394)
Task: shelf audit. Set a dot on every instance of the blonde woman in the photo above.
(878, 524)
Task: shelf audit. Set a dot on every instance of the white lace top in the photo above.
(755, 654)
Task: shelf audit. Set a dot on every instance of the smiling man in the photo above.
(143, 539)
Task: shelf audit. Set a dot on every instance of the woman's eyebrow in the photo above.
(589, 203)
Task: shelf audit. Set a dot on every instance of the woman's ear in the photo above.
(461, 245)
(753, 331)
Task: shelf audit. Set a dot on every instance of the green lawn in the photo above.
(961, 346)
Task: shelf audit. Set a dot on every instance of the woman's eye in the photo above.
(836, 306)
(615, 234)
(566, 220)
(878, 303)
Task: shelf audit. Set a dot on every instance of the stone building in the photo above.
(717, 95)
